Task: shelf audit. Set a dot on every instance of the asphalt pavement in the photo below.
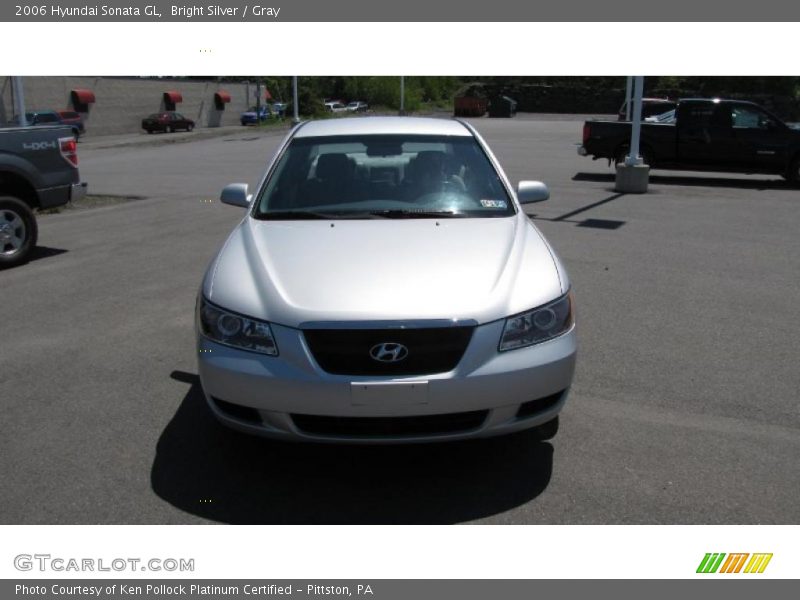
(684, 407)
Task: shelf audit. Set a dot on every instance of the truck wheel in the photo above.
(18, 232)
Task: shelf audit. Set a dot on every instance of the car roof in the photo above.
(383, 126)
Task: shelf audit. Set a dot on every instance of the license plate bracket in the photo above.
(394, 393)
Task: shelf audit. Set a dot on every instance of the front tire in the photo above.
(18, 232)
(168, 129)
(189, 127)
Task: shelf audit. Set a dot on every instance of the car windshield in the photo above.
(383, 176)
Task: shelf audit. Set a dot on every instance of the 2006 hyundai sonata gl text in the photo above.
(385, 286)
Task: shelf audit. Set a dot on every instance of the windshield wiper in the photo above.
(291, 215)
(415, 214)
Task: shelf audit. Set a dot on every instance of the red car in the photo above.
(167, 121)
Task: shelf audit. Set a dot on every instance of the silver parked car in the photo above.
(385, 286)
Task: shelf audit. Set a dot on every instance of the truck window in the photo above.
(746, 117)
(698, 116)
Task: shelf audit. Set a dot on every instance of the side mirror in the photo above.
(532, 191)
(236, 194)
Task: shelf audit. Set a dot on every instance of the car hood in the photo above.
(296, 272)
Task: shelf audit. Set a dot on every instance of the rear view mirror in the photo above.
(532, 191)
(236, 194)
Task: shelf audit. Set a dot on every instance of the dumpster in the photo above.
(502, 106)
(470, 106)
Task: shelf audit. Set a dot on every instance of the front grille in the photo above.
(534, 407)
(237, 411)
(369, 427)
(347, 351)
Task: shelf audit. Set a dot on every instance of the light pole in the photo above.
(402, 95)
(633, 176)
(628, 87)
(633, 157)
(19, 100)
(295, 109)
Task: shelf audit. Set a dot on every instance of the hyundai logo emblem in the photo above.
(388, 352)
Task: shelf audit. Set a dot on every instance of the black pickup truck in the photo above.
(38, 169)
(706, 135)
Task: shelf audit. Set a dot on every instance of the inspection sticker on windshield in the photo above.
(493, 203)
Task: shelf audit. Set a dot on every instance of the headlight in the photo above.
(235, 330)
(538, 325)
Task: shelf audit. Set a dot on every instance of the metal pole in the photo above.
(628, 90)
(19, 100)
(296, 117)
(402, 95)
(636, 127)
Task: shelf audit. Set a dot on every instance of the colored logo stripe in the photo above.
(758, 563)
(733, 564)
(710, 562)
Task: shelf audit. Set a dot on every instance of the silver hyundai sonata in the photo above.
(385, 286)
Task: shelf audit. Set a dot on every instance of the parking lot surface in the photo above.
(684, 407)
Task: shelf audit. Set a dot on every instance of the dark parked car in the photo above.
(279, 108)
(255, 115)
(706, 135)
(167, 121)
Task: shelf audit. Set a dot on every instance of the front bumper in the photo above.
(490, 392)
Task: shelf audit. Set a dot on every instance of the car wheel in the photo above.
(168, 129)
(189, 127)
(18, 231)
(546, 431)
